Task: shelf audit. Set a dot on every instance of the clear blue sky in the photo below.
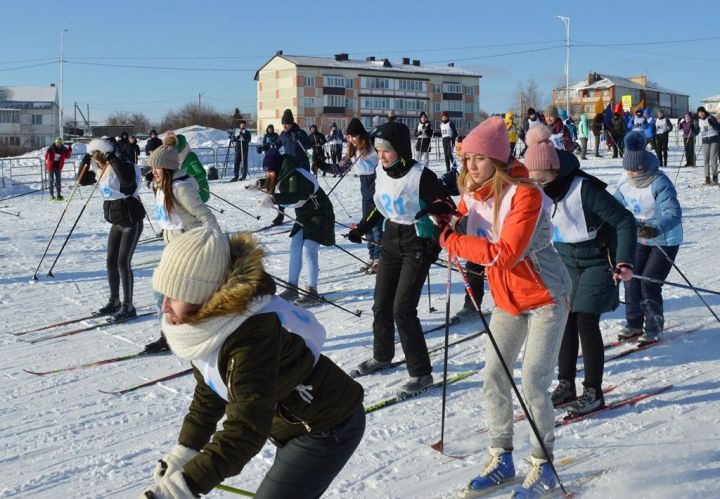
(241, 35)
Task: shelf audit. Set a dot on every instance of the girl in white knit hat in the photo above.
(257, 363)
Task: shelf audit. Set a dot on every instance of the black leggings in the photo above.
(586, 326)
(120, 249)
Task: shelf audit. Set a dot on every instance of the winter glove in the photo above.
(173, 461)
(647, 232)
(622, 272)
(441, 233)
(441, 209)
(109, 156)
(171, 487)
(267, 202)
(355, 235)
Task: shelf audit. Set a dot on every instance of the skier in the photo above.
(297, 188)
(189, 162)
(512, 131)
(124, 149)
(257, 363)
(402, 188)
(269, 139)
(650, 129)
(590, 229)
(363, 155)
(690, 129)
(509, 232)
(638, 122)
(293, 140)
(583, 135)
(317, 139)
(568, 122)
(663, 127)
(449, 134)
(242, 140)
(336, 139)
(424, 133)
(178, 208)
(123, 209)
(55, 158)
(618, 129)
(533, 118)
(133, 149)
(650, 195)
(709, 131)
(560, 134)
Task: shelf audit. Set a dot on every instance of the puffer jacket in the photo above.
(262, 365)
(188, 206)
(583, 132)
(523, 269)
(61, 152)
(190, 163)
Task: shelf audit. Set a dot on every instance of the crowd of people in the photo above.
(552, 241)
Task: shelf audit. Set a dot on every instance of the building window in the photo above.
(37, 119)
(452, 105)
(309, 102)
(410, 104)
(411, 85)
(452, 88)
(10, 117)
(469, 107)
(334, 81)
(469, 90)
(376, 103)
(436, 107)
(376, 83)
(11, 141)
(335, 101)
(309, 81)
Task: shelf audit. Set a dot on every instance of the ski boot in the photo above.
(369, 366)
(112, 307)
(591, 400)
(60, 198)
(373, 267)
(538, 482)
(126, 312)
(465, 313)
(629, 332)
(279, 219)
(500, 469)
(415, 386)
(290, 294)
(648, 337)
(564, 392)
(157, 346)
(309, 299)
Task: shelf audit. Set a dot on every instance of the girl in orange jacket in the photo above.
(508, 231)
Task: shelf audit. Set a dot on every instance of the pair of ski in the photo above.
(101, 323)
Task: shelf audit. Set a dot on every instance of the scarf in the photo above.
(190, 341)
(644, 180)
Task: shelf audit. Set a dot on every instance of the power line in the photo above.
(500, 55)
(29, 66)
(645, 52)
(166, 68)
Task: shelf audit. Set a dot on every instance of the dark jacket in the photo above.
(317, 139)
(126, 211)
(242, 139)
(125, 150)
(269, 140)
(588, 262)
(618, 128)
(598, 124)
(261, 363)
(424, 136)
(295, 143)
(152, 144)
(316, 215)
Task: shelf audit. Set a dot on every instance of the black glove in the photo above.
(109, 156)
(439, 207)
(149, 176)
(355, 235)
(647, 232)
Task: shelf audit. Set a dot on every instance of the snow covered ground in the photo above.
(61, 437)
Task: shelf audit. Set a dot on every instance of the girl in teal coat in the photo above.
(583, 135)
(595, 237)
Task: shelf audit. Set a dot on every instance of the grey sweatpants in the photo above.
(542, 330)
(710, 159)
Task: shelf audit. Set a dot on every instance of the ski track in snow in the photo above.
(60, 437)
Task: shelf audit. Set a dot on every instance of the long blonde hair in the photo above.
(499, 181)
(362, 148)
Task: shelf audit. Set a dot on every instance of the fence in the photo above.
(25, 170)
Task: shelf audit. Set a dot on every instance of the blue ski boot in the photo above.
(539, 481)
(499, 470)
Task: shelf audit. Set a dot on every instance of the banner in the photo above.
(627, 102)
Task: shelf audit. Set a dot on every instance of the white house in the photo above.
(712, 104)
(28, 116)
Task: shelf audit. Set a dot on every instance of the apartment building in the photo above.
(28, 116)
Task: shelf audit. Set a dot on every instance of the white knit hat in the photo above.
(193, 266)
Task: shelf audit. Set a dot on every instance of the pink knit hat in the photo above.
(541, 153)
(489, 138)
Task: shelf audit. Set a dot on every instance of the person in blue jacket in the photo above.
(294, 141)
(650, 128)
(651, 197)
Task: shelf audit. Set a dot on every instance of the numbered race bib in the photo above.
(398, 199)
(639, 201)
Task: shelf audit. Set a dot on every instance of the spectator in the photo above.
(617, 132)
(449, 134)
(560, 135)
(598, 125)
(55, 158)
(336, 139)
(663, 127)
(709, 130)
(153, 143)
(512, 131)
(270, 138)
(134, 149)
(583, 135)
(391, 115)
(424, 133)
(123, 148)
(242, 144)
(317, 139)
(690, 129)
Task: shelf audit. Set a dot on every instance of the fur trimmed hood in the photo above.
(246, 279)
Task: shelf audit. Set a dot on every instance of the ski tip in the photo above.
(438, 446)
(107, 392)
(36, 373)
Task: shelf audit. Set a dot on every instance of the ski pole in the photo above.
(675, 284)
(62, 215)
(67, 238)
(8, 213)
(509, 375)
(440, 445)
(218, 210)
(431, 309)
(288, 285)
(256, 217)
(343, 175)
(341, 203)
(234, 490)
(687, 281)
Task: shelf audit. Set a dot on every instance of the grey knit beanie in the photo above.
(165, 157)
(636, 157)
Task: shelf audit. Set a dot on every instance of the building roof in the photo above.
(607, 81)
(376, 65)
(714, 98)
(28, 94)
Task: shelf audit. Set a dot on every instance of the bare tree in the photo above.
(192, 114)
(528, 95)
(139, 121)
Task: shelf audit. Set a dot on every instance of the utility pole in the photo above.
(199, 101)
(566, 21)
(62, 88)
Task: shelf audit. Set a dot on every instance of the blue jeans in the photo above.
(367, 190)
(643, 299)
(303, 249)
